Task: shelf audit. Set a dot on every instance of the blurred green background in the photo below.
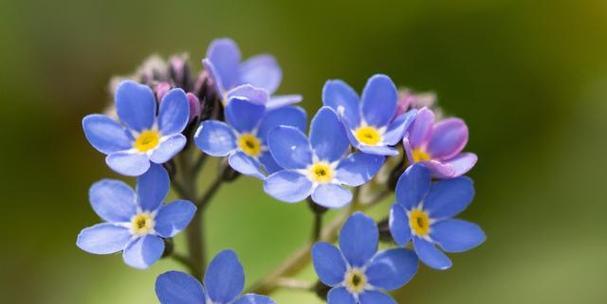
(529, 77)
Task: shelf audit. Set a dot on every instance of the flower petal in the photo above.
(331, 196)
(283, 100)
(105, 134)
(392, 269)
(329, 264)
(176, 287)
(287, 116)
(412, 186)
(135, 105)
(224, 56)
(153, 187)
(399, 225)
(454, 167)
(168, 148)
(246, 165)
(430, 255)
(376, 297)
(254, 299)
(174, 217)
(448, 198)
(288, 186)
(142, 252)
(113, 200)
(358, 239)
(327, 136)
(269, 163)
(379, 100)
(243, 114)
(174, 112)
(103, 238)
(224, 278)
(340, 97)
(455, 235)
(421, 129)
(261, 71)
(377, 150)
(128, 163)
(358, 168)
(340, 295)
(398, 127)
(449, 137)
(250, 93)
(289, 147)
(215, 138)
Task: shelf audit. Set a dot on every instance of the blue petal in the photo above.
(135, 105)
(430, 255)
(261, 71)
(327, 136)
(412, 186)
(449, 197)
(287, 116)
(224, 56)
(288, 186)
(105, 135)
(143, 252)
(392, 269)
(398, 127)
(174, 217)
(358, 168)
(127, 163)
(153, 187)
(269, 163)
(331, 196)
(339, 295)
(250, 93)
(358, 239)
(243, 115)
(289, 147)
(399, 225)
(224, 278)
(168, 148)
(174, 112)
(103, 238)
(175, 287)
(379, 100)
(329, 264)
(376, 297)
(215, 138)
(113, 200)
(246, 165)
(340, 97)
(377, 150)
(283, 100)
(455, 235)
(254, 299)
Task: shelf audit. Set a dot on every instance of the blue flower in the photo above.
(228, 73)
(318, 166)
(424, 214)
(135, 222)
(141, 136)
(358, 273)
(223, 283)
(243, 139)
(373, 126)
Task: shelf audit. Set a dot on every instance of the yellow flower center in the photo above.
(249, 144)
(147, 140)
(420, 155)
(321, 172)
(419, 221)
(369, 136)
(355, 281)
(142, 223)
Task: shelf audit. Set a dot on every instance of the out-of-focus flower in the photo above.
(423, 213)
(142, 136)
(439, 145)
(371, 124)
(408, 99)
(223, 283)
(136, 222)
(358, 273)
(320, 166)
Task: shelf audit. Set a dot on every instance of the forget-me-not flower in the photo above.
(319, 166)
(371, 123)
(357, 273)
(136, 222)
(223, 283)
(424, 211)
(141, 136)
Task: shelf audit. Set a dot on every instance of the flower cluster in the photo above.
(166, 121)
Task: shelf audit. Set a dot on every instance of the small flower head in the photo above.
(439, 145)
(356, 272)
(371, 123)
(142, 136)
(223, 283)
(424, 211)
(135, 222)
(319, 166)
(408, 99)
